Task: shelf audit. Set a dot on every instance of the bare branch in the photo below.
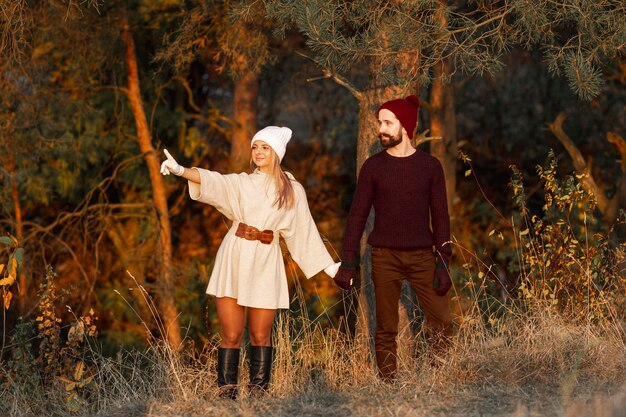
(421, 138)
(342, 81)
(14, 27)
(580, 164)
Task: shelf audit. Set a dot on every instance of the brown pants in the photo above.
(389, 268)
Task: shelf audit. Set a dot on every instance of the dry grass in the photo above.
(531, 364)
(522, 363)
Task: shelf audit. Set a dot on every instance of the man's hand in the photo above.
(345, 278)
(171, 166)
(442, 282)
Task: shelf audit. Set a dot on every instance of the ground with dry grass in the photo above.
(530, 364)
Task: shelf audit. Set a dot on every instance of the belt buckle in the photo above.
(251, 233)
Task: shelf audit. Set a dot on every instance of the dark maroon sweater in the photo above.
(407, 193)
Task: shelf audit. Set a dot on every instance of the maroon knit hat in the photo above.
(405, 110)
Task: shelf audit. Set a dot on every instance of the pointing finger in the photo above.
(168, 154)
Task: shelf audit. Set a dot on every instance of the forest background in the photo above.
(523, 102)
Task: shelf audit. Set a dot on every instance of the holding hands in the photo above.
(332, 269)
(345, 278)
(171, 166)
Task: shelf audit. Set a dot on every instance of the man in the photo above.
(407, 189)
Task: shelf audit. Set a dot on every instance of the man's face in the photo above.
(389, 129)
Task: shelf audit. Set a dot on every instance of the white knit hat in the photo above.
(276, 137)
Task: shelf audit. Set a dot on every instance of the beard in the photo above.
(389, 141)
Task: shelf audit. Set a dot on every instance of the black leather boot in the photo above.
(228, 372)
(260, 369)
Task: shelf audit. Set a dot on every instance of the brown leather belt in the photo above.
(252, 233)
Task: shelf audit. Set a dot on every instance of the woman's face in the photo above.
(262, 155)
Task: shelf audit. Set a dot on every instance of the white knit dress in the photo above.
(250, 271)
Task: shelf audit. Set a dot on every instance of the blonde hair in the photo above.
(285, 196)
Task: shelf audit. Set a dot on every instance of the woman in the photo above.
(249, 272)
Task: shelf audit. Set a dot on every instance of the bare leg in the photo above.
(232, 321)
(260, 325)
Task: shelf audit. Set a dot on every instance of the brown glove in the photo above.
(346, 274)
(442, 281)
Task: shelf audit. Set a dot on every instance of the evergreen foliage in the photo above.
(578, 38)
(207, 32)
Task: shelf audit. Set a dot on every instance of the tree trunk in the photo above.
(443, 123)
(443, 118)
(166, 300)
(244, 114)
(19, 232)
(619, 198)
(368, 145)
